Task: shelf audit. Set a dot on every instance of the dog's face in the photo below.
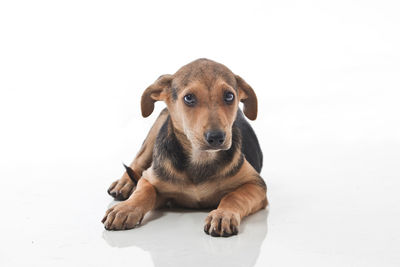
(202, 98)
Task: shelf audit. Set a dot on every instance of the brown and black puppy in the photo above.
(200, 153)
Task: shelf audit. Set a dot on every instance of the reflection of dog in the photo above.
(176, 246)
(200, 152)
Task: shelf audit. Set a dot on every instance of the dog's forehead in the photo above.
(203, 71)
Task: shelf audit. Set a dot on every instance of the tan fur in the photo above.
(203, 195)
(209, 113)
(236, 196)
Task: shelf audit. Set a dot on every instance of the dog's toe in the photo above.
(221, 223)
(122, 217)
(121, 189)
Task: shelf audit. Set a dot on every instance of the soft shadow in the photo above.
(175, 237)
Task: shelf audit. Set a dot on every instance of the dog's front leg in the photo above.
(245, 200)
(121, 189)
(129, 213)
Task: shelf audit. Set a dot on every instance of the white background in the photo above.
(327, 78)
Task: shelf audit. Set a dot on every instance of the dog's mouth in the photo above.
(209, 148)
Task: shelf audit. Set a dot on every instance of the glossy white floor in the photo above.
(327, 78)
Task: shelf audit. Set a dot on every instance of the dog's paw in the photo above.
(121, 189)
(222, 223)
(122, 216)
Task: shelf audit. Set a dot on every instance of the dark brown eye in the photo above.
(189, 99)
(229, 97)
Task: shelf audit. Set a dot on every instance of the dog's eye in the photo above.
(228, 97)
(189, 99)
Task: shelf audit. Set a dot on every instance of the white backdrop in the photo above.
(327, 78)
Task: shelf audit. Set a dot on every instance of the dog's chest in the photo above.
(205, 195)
(182, 191)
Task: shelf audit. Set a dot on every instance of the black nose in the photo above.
(215, 138)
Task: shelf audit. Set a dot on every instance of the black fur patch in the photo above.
(163, 174)
(237, 167)
(168, 148)
(250, 146)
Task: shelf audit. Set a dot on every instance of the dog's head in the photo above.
(202, 98)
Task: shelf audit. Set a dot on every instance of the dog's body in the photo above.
(200, 153)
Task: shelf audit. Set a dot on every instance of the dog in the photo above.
(200, 153)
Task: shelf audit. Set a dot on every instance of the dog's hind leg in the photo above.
(123, 188)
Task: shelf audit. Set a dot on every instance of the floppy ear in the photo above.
(248, 97)
(155, 92)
